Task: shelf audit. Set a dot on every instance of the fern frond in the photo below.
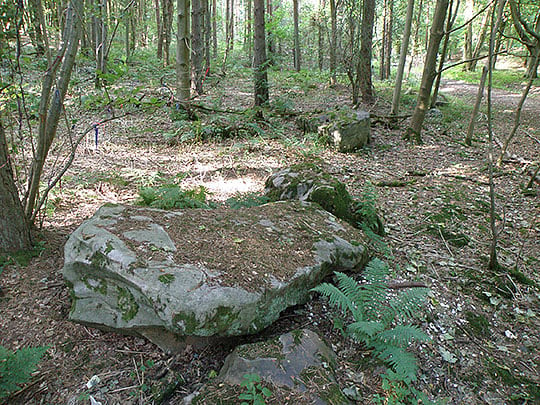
(406, 304)
(17, 367)
(401, 361)
(365, 330)
(351, 288)
(402, 335)
(335, 296)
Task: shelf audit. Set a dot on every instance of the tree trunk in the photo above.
(270, 42)
(14, 228)
(485, 71)
(259, 54)
(166, 17)
(159, 25)
(296, 37)
(249, 34)
(183, 82)
(50, 109)
(414, 46)
(468, 40)
(529, 35)
(366, 42)
(101, 30)
(402, 57)
(197, 48)
(452, 14)
(471, 66)
(386, 45)
(333, 41)
(207, 32)
(428, 75)
(214, 29)
(320, 34)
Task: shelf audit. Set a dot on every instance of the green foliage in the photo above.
(171, 196)
(247, 200)
(381, 319)
(16, 368)
(365, 210)
(254, 393)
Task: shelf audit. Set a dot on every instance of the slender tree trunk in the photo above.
(366, 42)
(468, 40)
(493, 262)
(428, 75)
(485, 71)
(480, 41)
(320, 34)
(296, 37)
(249, 34)
(270, 41)
(414, 46)
(402, 57)
(196, 46)
(333, 41)
(207, 32)
(159, 25)
(14, 228)
(259, 54)
(442, 58)
(167, 17)
(517, 118)
(183, 82)
(214, 28)
(50, 109)
(101, 30)
(386, 45)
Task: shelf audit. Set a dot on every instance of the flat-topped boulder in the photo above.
(175, 276)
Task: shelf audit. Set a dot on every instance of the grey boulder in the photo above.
(188, 276)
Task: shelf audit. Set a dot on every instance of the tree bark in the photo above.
(452, 14)
(333, 41)
(260, 62)
(529, 36)
(320, 34)
(296, 37)
(480, 41)
(428, 75)
(366, 43)
(214, 28)
(159, 25)
(166, 22)
(101, 31)
(197, 48)
(183, 82)
(386, 46)
(402, 57)
(14, 228)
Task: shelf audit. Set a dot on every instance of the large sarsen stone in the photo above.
(172, 275)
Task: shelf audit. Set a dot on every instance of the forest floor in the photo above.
(434, 199)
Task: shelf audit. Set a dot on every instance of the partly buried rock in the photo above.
(348, 130)
(297, 367)
(200, 273)
(308, 182)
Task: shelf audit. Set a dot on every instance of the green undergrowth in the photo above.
(16, 368)
(171, 196)
(383, 321)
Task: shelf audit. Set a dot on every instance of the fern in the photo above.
(381, 320)
(16, 368)
(171, 196)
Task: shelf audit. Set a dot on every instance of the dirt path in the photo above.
(503, 99)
